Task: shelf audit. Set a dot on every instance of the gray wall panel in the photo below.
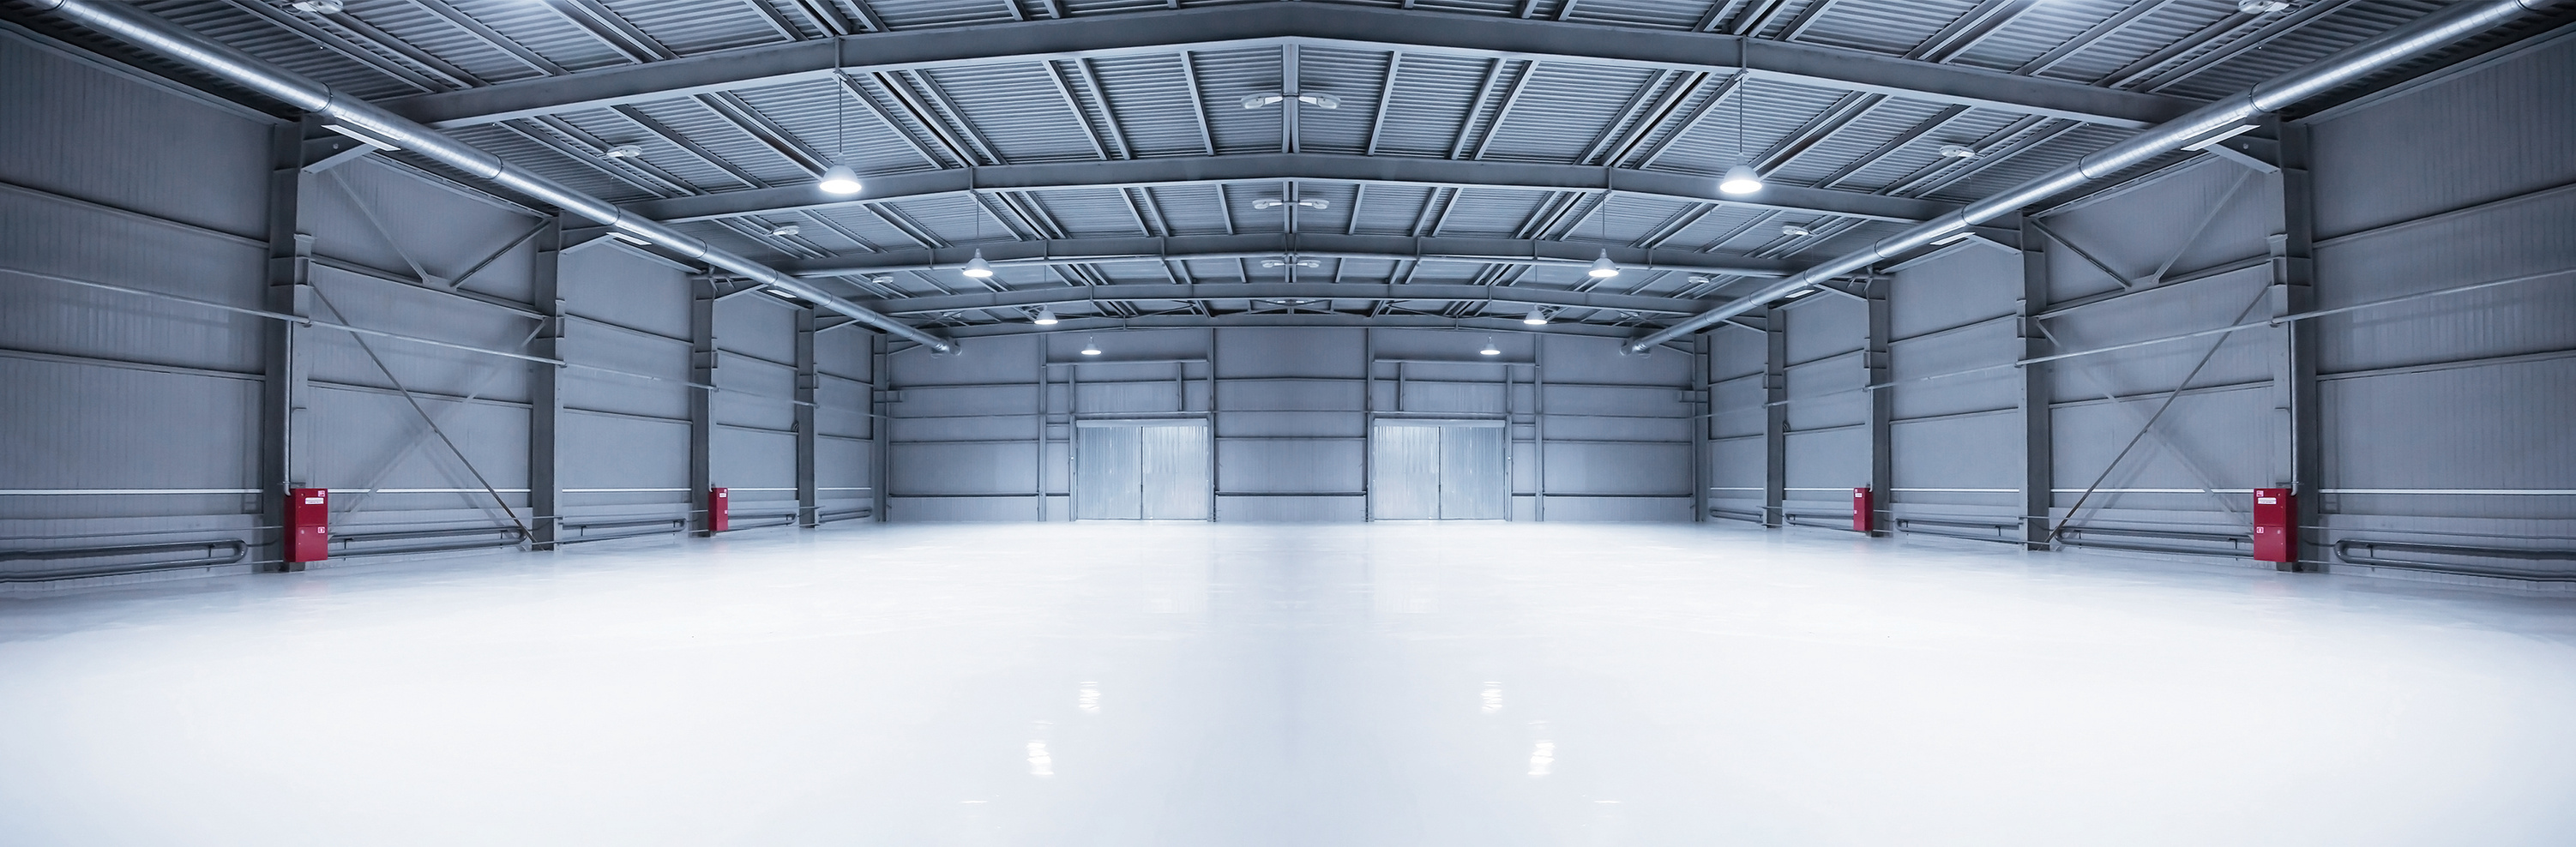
(1288, 466)
(758, 325)
(2403, 432)
(1835, 459)
(932, 469)
(2517, 239)
(1600, 468)
(1828, 392)
(82, 131)
(1966, 348)
(388, 218)
(1956, 290)
(613, 285)
(1290, 509)
(1969, 459)
(2492, 132)
(1281, 351)
(1825, 325)
(2158, 313)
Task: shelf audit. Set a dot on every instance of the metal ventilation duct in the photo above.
(2432, 31)
(151, 32)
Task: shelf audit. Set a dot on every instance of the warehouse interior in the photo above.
(1493, 422)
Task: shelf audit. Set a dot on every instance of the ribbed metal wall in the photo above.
(1955, 441)
(1608, 438)
(143, 420)
(130, 420)
(2448, 418)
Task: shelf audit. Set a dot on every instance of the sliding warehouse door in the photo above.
(1438, 470)
(1141, 470)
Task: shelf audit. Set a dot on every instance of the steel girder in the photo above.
(1519, 296)
(1268, 24)
(1293, 167)
(1102, 251)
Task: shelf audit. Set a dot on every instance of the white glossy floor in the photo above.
(1234, 686)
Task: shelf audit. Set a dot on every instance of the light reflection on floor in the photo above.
(1248, 686)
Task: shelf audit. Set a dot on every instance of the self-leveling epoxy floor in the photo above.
(1481, 685)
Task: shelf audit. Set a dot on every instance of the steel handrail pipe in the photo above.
(126, 22)
(2441, 28)
(238, 550)
(2343, 551)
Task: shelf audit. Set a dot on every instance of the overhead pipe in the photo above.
(364, 120)
(2215, 120)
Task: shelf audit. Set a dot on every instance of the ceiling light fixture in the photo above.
(2261, 7)
(1274, 202)
(1045, 316)
(1281, 263)
(839, 178)
(316, 7)
(1316, 99)
(785, 230)
(1603, 268)
(1090, 347)
(624, 151)
(1797, 294)
(1490, 349)
(1537, 317)
(977, 268)
(1953, 238)
(1958, 151)
(1794, 231)
(1741, 179)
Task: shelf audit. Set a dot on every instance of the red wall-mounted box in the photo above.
(1864, 511)
(718, 504)
(2276, 525)
(308, 524)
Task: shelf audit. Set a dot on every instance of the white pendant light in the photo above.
(1490, 349)
(839, 179)
(1740, 180)
(1537, 317)
(1603, 268)
(1090, 347)
(977, 268)
(1046, 316)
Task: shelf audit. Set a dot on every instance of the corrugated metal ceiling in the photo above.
(1187, 102)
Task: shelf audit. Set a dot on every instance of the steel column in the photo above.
(2038, 454)
(1882, 405)
(1775, 417)
(702, 418)
(809, 379)
(545, 397)
(290, 292)
(2295, 430)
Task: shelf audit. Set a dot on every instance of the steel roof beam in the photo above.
(1276, 167)
(1278, 24)
(1495, 324)
(1519, 297)
(1312, 245)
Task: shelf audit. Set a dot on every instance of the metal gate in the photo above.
(1141, 470)
(1443, 470)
